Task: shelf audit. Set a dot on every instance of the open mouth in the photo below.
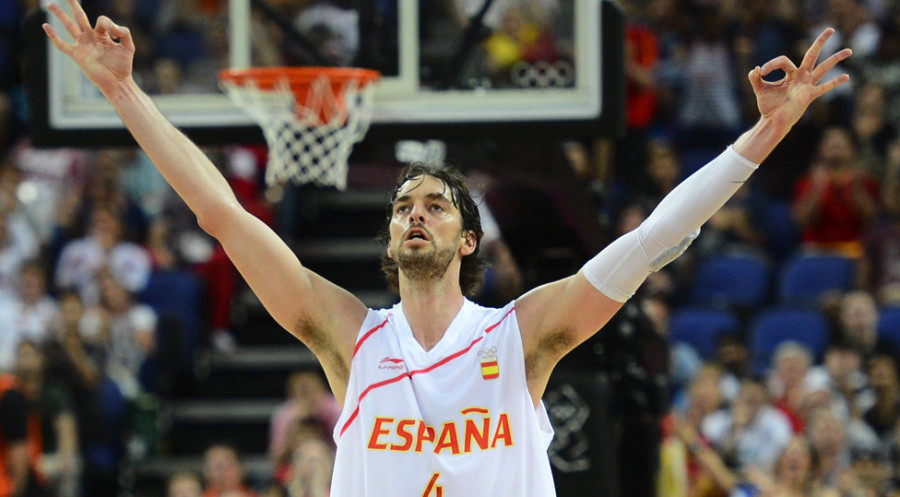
(417, 234)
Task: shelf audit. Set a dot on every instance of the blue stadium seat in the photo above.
(731, 280)
(775, 219)
(889, 325)
(700, 328)
(805, 278)
(178, 295)
(774, 326)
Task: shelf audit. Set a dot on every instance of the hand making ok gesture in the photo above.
(104, 52)
(785, 100)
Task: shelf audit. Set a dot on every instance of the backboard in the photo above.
(449, 67)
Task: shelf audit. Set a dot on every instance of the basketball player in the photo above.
(440, 397)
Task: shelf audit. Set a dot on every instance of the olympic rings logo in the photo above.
(543, 74)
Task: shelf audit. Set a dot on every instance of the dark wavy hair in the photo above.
(471, 271)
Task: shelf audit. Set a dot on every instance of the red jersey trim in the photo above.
(410, 374)
(368, 334)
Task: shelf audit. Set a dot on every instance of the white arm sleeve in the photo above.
(620, 268)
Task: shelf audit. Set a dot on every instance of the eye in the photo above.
(437, 207)
(400, 209)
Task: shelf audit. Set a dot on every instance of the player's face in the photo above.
(426, 229)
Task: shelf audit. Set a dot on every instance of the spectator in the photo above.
(302, 431)
(894, 456)
(107, 186)
(503, 279)
(132, 335)
(52, 404)
(19, 444)
(882, 68)
(84, 258)
(752, 432)
(733, 357)
(791, 363)
(642, 56)
(836, 199)
(873, 130)
(143, 184)
(854, 28)
(796, 473)
(333, 30)
(837, 447)
(56, 176)
(77, 362)
(879, 271)
(18, 243)
(307, 398)
(312, 463)
(829, 442)
(885, 412)
(184, 485)
(709, 109)
(681, 467)
(224, 474)
(26, 314)
(36, 310)
(733, 228)
(858, 324)
(841, 376)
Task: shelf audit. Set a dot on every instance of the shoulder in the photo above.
(478, 311)
(376, 320)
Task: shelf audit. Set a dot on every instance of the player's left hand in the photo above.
(785, 100)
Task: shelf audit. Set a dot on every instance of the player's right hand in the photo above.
(104, 52)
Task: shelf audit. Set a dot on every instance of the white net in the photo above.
(309, 142)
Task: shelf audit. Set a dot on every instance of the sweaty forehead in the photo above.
(425, 186)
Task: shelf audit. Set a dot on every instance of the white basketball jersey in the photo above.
(454, 421)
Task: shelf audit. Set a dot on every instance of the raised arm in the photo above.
(319, 313)
(558, 316)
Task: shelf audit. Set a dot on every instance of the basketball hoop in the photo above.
(311, 117)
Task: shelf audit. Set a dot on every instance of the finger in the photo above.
(104, 25)
(830, 85)
(66, 48)
(809, 60)
(829, 63)
(123, 34)
(781, 62)
(80, 17)
(756, 80)
(70, 25)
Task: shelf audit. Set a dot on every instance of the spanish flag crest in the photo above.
(490, 368)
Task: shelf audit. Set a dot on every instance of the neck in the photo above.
(430, 307)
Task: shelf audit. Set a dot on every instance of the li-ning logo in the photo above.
(391, 363)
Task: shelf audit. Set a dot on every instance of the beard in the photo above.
(419, 265)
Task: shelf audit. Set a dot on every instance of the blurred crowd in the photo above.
(803, 418)
(89, 236)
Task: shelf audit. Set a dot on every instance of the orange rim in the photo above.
(298, 77)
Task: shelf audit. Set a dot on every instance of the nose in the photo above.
(417, 213)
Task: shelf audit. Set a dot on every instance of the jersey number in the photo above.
(433, 489)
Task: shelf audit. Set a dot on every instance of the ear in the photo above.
(389, 254)
(469, 244)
